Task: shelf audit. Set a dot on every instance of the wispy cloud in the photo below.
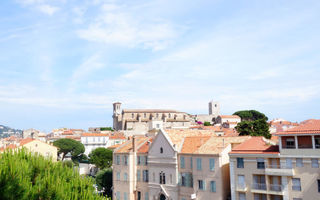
(47, 9)
(118, 25)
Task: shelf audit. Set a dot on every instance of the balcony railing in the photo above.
(275, 187)
(278, 166)
(259, 186)
(241, 187)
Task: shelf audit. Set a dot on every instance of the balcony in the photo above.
(278, 170)
(259, 188)
(275, 189)
(241, 187)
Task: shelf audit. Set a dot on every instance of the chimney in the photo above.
(133, 143)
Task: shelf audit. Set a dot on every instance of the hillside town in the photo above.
(161, 154)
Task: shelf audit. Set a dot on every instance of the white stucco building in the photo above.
(92, 141)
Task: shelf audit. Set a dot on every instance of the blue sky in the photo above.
(63, 62)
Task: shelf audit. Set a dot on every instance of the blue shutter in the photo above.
(182, 163)
(199, 164)
(138, 175)
(213, 186)
(146, 196)
(191, 163)
(211, 164)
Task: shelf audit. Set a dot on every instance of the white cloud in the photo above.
(47, 9)
(117, 25)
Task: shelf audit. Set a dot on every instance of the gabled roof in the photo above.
(256, 145)
(127, 146)
(209, 144)
(309, 127)
(25, 141)
(230, 116)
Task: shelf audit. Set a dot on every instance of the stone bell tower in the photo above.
(214, 108)
(116, 116)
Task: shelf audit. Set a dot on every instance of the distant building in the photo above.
(30, 133)
(142, 120)
(92, 141)
(228, 121)
(176, 164)
(259, 169)
(279, 125)
(214, 111)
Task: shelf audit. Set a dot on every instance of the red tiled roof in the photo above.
(255, 145)
(144, 148)
(229, 116)
(25, 141)
(93, 135)
(309, 127)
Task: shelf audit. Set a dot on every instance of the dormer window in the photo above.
(161, 150)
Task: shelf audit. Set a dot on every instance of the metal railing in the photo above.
(278, 166)
(241, 186)
(275, 187)
(259, 186)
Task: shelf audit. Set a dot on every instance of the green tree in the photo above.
(28, 176)
(206, 124)
(101, 157)
(253, 123)
(104, 181)
(67, 145)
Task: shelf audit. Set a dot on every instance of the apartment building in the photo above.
(173, 165)
(261, 170)
(91, 141)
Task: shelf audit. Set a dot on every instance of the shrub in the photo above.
(28, 176)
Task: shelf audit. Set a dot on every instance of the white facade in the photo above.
(93, 141)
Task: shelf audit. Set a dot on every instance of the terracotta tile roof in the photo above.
(177, 135)
(229, 116)
(209, 144)
(93, 135)
(114, 146)
(127, 146)
(74, 137)
(144, 148)
(255, 145)
(67, 133)
(117, 137)
(25, 141)
(309, 127)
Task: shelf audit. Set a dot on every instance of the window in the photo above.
(211, 164)
(138, 160)
(242, 196)
(261, 197)
(191, 164)
(240, 163)
(317, 142)
(241, 182)
(118, 195)
(260, 163)
(182, 163)
(118, 160)
(125, 160)
(161, 150)
(186, 179)
(145, 175)
(86, 139)
(288, 163)
(296, 185)
(145, 115)
(146, 196)
(118, 176)
(139, 195)
(125, 175)
(199, 164)
(314, 163)
(146, 160)
(125, 196)
(183, 198)
(138, 175)
(212, 186)
(299, 162)
(318, 185)
(201, 185)
(132, 115)
(290, 143)
(162, 178)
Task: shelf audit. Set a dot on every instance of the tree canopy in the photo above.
(253, 123)
(66, 145)
(101, 157)
(104, 181)
(28, 176)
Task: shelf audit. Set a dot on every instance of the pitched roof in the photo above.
(127, 146)
(25, 141)
(309, 127)
(229, 116)
(209, 144)
(256, 145)
(93, 135)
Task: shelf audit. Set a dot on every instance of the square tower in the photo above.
(214, 108)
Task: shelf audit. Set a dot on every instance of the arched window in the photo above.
(161, 150)
(162, 178)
